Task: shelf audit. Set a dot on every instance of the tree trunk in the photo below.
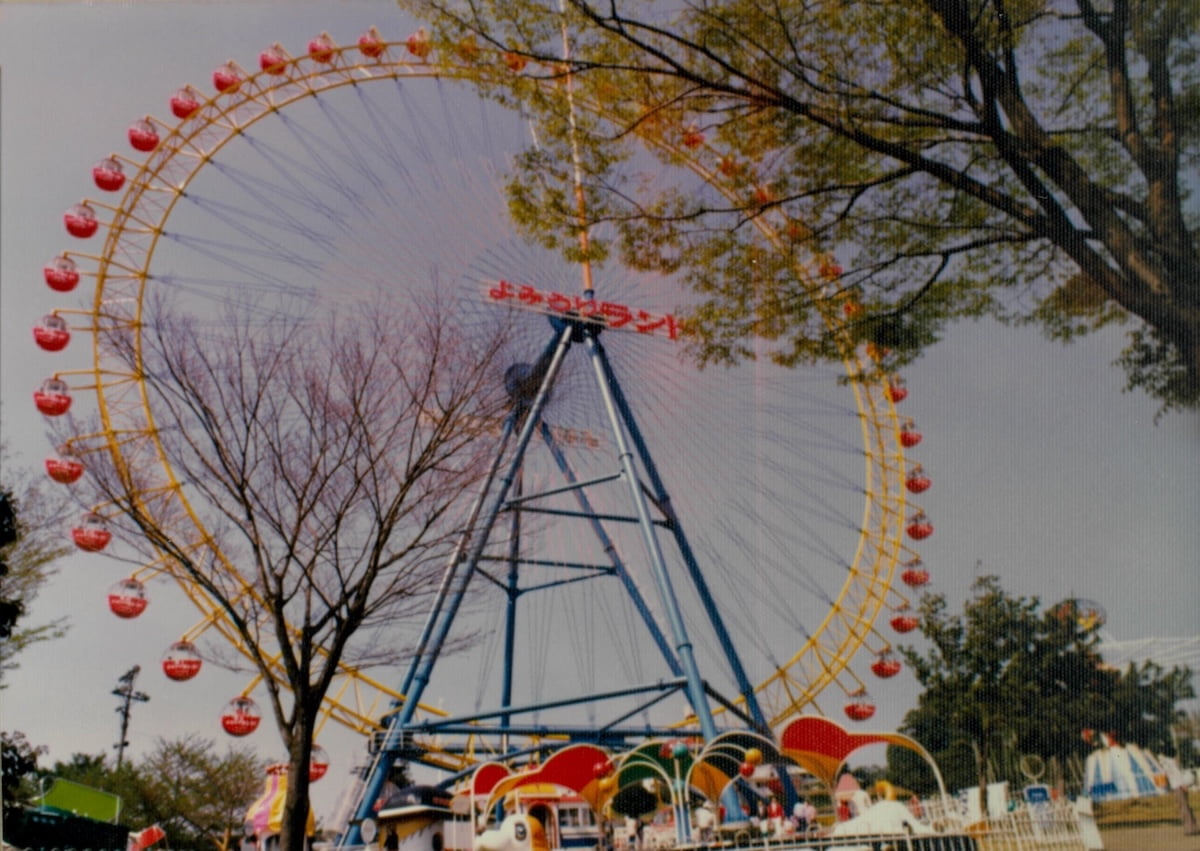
(981, 758)
(293, 832)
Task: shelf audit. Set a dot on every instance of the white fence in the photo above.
(1050, 826)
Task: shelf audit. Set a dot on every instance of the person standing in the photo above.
(775, 817)
(799, 817)
(914, 807)
(705, 820)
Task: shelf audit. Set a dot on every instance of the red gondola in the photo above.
(185, 103)
(181, 662)
(418, 44)
(917, 481)
(515, 61)
(143, 136)
(92, 534)
(226, 78)
(318, 763)
(127, 599)
(81, 221)
(909, 436)
(829, 269)
(905, 622)
(52, 398)
(52, 333)
(64, 467)
(241, 717)
(919, 526)
(321, 48)
(109, 174)
(371, 44)
(860, 707)
(61, 274)
(273, 60)
(896, 391)
(876, 352)
(886, 665)
(915, 574)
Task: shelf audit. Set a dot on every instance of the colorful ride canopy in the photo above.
(632, 782)
(264, 817)
(821, 746)
(579, 768)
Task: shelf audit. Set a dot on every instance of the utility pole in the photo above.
(125, 691)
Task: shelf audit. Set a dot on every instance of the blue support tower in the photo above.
(505, 491)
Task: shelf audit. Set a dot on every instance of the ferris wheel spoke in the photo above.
(269, 226)
(284, 195)
(350, 145)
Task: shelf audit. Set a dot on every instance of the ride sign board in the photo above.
(1037, 794)
(606, 313)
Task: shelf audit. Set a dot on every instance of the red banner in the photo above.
(606, 313)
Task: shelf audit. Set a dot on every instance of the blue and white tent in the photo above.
(1122, 771)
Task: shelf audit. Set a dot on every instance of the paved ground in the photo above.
(1166, 837)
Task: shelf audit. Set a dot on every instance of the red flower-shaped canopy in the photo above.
(571, 768)
(821, 746)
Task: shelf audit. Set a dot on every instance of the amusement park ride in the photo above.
(753, 533)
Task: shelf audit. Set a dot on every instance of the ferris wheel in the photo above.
(784, 498)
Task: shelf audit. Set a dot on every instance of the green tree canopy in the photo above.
(1007, 678)
(18, 760)
(1187, 738)
(961, 157)
(197, 794)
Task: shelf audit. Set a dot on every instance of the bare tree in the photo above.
(316, 470)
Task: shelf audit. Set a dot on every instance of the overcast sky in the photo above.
(1044, 471)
